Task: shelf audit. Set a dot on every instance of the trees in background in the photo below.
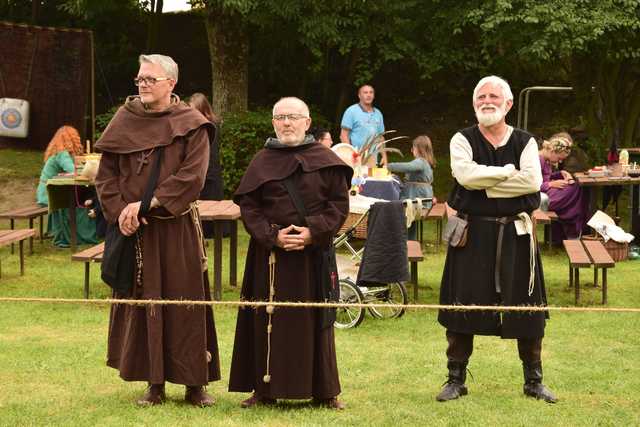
(322, 50)
(593, 45)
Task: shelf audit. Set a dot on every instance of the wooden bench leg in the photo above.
(577, 284)
(41, 228)
(604, 286)
(570, 276)
(545, 232)
(12, 222)
(217, 260)
(22, 257)
(233, 254)
(414, 279)
(31, 238)
(438, 233)
(595, 277)
(87, 271)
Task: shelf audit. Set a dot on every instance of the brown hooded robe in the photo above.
(303, 356)
(162, 343)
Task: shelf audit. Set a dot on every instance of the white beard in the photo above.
(490, 118)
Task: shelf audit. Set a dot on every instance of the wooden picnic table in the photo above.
(221, 211)
(584, 180)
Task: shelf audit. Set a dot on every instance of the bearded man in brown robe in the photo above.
(288, 354)
(162, 343)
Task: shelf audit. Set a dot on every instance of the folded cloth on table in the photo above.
(359, 204)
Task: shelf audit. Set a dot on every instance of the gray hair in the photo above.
(502, 83)
(166, 62)
(305, 107)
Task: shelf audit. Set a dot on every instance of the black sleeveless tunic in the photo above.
(468, 276)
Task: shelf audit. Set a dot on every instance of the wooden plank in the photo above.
(598, 254)
(89, 253)
(11, 236)
(414, 251)
(27, 212)
(438, 211)
(585, 180)
(578, 257)
(211, 210)
(18, 211)
(541, 217)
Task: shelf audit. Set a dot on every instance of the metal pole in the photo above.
(93, 91)
(523, 113)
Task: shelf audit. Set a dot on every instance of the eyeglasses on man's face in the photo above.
(291, 117)
(149, 81)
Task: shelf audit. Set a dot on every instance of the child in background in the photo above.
(419, 174)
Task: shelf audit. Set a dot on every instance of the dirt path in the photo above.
(17, 193)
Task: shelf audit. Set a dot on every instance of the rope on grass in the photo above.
(256, 304)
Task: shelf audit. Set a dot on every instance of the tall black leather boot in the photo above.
(533, 382)
(454, 387)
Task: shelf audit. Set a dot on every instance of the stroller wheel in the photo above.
(349, 317)
(390, 293)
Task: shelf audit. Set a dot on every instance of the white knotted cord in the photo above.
(270, 309)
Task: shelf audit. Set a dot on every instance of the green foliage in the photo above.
(89, 9)
(102, 120)
(595, 42)
(242, 136)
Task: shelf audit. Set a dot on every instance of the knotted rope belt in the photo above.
(193, 211)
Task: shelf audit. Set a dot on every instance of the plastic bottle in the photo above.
(624, 157)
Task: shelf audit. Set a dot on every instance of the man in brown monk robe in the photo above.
(288, 354)
(162, 343)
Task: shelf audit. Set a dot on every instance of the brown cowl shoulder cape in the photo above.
(277, 161)
(133, 128)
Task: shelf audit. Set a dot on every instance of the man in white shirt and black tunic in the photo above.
(497, 183)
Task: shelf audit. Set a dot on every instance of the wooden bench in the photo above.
(545, 218)
(414, 254)
(89, 255)
(9, 237)
(587, 253)
(30, 213)
(437, 213)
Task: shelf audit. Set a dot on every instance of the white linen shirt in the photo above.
(497, 181)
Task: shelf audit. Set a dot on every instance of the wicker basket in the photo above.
(361, 229)
(618, 251)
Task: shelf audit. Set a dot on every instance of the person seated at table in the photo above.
(213, 185)
(322, 136)
(577, 160)
(418, 174)
(59, 158)
(566, 198)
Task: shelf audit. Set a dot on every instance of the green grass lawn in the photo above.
(53, 372)
(52, 360)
